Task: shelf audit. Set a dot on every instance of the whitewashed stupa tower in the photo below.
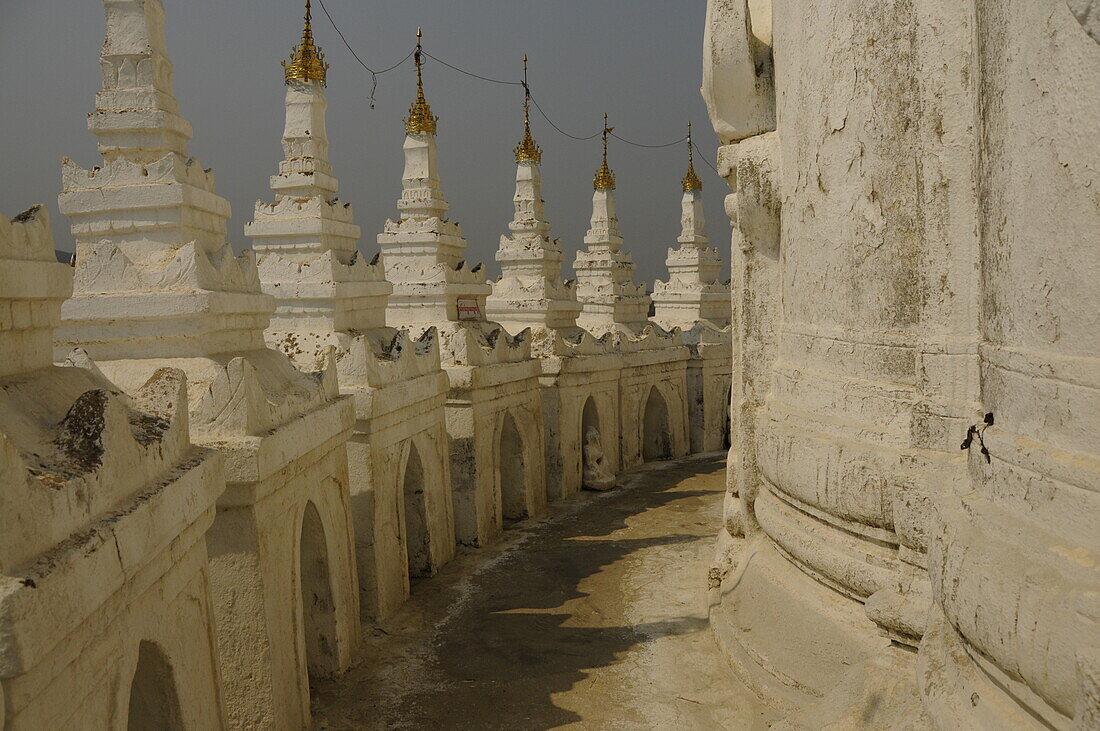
(306, 241)
(610, 300)
(692, 293)
(493, 404)
(530, 291)
(577, 371)
(423, 250)
(157, 285)
(329, 298)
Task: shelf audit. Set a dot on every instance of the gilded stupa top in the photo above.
(605, 178)
(528, 150)
(691, 180)
(420, 120)
(307, 61)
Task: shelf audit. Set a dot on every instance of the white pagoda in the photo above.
(329, 298)
(493, 407)
(157, 285)
(610, 300)
(692, 293)
(579, 373)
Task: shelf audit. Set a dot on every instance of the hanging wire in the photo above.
(703, 157)
(559, 129)
(373, 74)
(374, 87)
(650, 147)
(471, 73)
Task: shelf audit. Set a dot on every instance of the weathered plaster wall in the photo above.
(262, 610)
(390, 426)
(480, 398)
(1012, 556)
(104, 507)
(913, 247)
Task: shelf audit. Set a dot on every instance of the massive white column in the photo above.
(610, 300)
(692, 293)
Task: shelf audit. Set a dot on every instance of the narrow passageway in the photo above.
(595, 618)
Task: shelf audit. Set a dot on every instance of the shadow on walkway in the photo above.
(492, 641)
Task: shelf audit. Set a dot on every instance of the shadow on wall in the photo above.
(656, 433)
(154, 704)
(499, 646)
(318, 607)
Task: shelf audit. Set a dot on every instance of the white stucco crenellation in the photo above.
(103, 514)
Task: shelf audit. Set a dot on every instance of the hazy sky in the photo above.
(639, 60)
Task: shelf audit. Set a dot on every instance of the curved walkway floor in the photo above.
(595, 618)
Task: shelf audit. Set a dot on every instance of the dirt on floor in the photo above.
(595, 618)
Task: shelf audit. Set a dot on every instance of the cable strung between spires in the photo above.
(420, 53)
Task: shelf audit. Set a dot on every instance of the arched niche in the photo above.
(417, 538)
(318, 605)
(511, 471)
(656, 433)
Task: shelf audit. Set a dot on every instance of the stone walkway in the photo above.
(593, 619)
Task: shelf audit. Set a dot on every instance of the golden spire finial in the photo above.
(420, 119)
(605, 179)
(307, 61)
(528, 150)
(691, 180)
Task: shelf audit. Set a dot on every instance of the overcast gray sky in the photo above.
(640, 60)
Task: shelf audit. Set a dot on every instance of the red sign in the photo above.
(468, 309)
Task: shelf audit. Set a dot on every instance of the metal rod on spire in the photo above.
(527, 150)
(605, 178)
(419, 58)
(606, 132)
(420, 119)
(526, 94)
(691, 179)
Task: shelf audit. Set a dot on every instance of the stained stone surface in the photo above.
(595, 618)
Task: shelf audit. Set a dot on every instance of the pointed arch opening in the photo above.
(154, 702)
(512, 472)
(318, 605)
(417, 539)
(596, 472)
(656, 432)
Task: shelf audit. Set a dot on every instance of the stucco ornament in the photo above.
(597, 476)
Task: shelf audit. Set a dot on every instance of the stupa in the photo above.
(157, 286)
(695, 301)
(610, 300)
(692, 293)
(493, 407)
(579, 373)
(330, 298)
